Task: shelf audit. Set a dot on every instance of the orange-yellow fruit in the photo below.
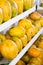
(1, 16)
(29, 36)
(32, 21)
(18, 43)
(9, 49)
(41, 56)
(32, 31)
(25, 23)
(6, 7)
(37, 26)
(20, 63)
(20, 5)
(14, 8)
(34, 52)
(17, 31)
(24, 40)
(35, 16)
(2, 38)
(28, 4)
(41, 45)
(41, 21)
(35, 61)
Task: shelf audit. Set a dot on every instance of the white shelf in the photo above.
(10, 22)
(40, 8)
(19, 56)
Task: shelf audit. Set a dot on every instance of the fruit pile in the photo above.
(34, 55)
(11, 8)
(18, 36)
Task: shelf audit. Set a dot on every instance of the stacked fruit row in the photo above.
(11, 8)
(18, 36)
(34, 55)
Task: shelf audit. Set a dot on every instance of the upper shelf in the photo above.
(10, 22)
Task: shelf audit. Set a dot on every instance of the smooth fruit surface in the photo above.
(41, 21)
(30, 30)
(14, 8)
(17, 31)
(37, 26)
(35, 16)
(25, 23)
(20, 5)
(28, 33)
(9, 49)
(35, 61)
(18, 43)
(28, 4)
(35, 50)
(6, 7)
(24, 40)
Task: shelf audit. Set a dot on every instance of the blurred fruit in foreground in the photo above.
(31, 64)
(18, 43)
(7, 36)
(35, 16)
(1, 16)
(6, 7)
(25, 23)
(14, 8)
(2, 38)
(33, 51)
(28, 4)
(17, 31)
(41, 45)
(9, 49)
(35, 61)
(20, 63)
(20, 5)
(26, 58)
(24, 40)
(41, 56)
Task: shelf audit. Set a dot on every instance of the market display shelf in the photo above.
(10, 22)
(24, 50)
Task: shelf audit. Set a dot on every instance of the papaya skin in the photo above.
(7, 12)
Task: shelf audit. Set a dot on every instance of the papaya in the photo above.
(6, 7)
(1, 16)
(20, 5)
(14, 8)
(9, 49)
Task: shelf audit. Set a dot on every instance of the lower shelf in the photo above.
(19, 56)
